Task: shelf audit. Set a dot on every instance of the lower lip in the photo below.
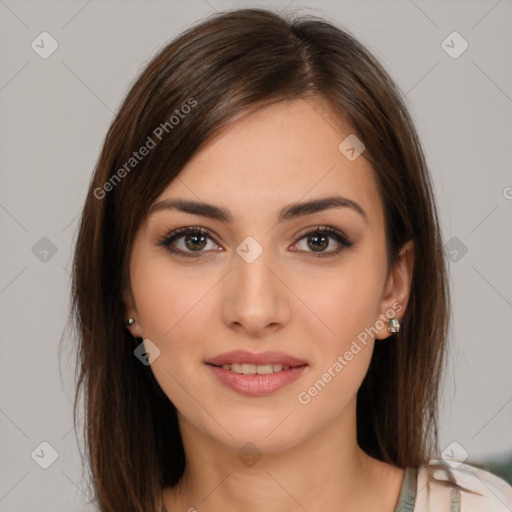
(257, 385)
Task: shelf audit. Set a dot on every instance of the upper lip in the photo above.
(242, 356)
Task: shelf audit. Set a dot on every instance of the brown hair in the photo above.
(221, 67)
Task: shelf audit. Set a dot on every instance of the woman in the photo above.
(235, 357)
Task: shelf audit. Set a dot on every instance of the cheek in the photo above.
(174, 306)
(348, 308)
(341, 305)
(171, 310)
(167, 296)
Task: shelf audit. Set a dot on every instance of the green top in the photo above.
(407, 498)
(408, 491)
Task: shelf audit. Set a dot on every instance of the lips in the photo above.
(263, 358)
(256, 374)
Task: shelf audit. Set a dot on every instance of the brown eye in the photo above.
(187, 241)
(318, 243)
(318, 240)
(195, 242)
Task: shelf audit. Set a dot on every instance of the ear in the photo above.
(131, 312)
(397, 289)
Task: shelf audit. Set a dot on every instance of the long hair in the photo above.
(195, 86)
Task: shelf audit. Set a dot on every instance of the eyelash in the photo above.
(329, 231)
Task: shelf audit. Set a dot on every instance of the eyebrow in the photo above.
(289, 212)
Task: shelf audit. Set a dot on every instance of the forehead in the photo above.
(275, 155)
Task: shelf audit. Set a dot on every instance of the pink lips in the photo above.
(256, 385)
(242, 356)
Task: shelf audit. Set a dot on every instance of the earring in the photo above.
(394, 325)
(129, 322)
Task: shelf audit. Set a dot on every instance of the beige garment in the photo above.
(470, 489)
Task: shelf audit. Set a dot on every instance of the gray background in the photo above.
(55, 113)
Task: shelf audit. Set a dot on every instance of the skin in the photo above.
(286, 300)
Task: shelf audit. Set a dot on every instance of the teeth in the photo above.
(263, 369)
(248, 369)
(252, 369)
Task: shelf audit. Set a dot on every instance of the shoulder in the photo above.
(463, 488)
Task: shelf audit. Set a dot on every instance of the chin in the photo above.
(263, 433)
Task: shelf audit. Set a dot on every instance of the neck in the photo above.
(328, 468)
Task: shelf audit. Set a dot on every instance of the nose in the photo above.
(255, 300)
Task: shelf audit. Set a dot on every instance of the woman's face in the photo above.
(231, 307)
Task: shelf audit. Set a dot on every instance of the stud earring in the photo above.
(129, 322)
(394, 325)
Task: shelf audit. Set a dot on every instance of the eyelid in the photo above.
(323, 228)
